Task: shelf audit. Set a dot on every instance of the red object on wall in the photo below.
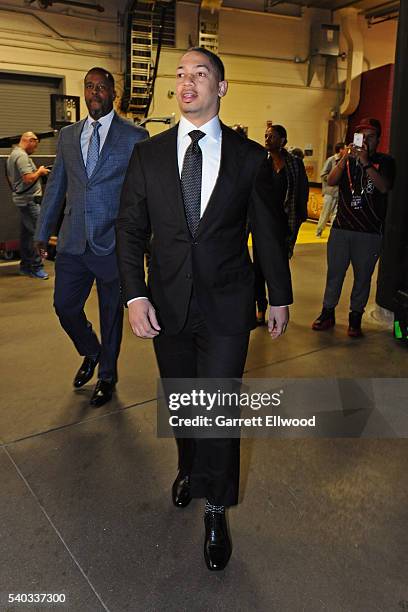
(375, 101)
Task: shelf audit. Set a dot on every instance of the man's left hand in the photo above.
(41, 248)
(278, 320)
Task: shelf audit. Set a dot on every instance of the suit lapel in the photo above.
(78, 127)
(226, 180)
(109, 144)
(169, 172)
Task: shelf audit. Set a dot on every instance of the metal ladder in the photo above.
(141, 55)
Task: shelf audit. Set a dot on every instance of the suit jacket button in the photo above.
(188, 275)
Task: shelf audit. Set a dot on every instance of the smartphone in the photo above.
(358, 140)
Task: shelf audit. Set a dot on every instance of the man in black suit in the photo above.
(190, 190)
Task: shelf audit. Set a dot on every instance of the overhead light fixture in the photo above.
(46, 3)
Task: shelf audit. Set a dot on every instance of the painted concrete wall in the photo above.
(259, 51)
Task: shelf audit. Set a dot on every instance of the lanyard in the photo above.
(352, 187)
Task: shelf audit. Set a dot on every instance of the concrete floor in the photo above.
(85, 507)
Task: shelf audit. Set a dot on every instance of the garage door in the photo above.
(25, 106)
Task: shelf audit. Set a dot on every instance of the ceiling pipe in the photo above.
(46, 3)
(350, 28)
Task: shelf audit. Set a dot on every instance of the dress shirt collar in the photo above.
(104, 121)
(212, 128)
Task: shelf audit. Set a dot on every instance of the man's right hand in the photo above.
(41, 248)
(347, 152)
(43, 171)
(142, 319)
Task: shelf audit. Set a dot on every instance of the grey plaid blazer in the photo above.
(297, 195)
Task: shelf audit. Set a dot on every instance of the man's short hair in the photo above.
(103, 71)
(339, 146)
(216, 62)
(280, 130)
(297, 152)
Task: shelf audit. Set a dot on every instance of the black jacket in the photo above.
(216, 260)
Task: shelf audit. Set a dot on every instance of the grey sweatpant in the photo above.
(360, 249)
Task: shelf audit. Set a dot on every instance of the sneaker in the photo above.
(354, 328)
(325, 320)
(40, 273)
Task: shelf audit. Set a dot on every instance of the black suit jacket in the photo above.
(216, 260)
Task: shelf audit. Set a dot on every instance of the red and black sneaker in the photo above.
(325, 320)
(354, 328)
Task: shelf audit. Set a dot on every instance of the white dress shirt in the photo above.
(87, 130)
(210, 146)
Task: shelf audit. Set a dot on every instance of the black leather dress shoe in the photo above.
(181, 491)
(85, 372)
(217, 545)
(102, 392)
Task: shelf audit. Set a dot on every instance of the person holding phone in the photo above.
(24, 179)
(364, 177)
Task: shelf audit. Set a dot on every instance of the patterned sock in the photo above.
(213, 508)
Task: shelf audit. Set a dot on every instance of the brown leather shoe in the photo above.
(325, 320)
(354, 328)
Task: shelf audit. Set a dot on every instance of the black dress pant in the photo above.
(196, 352)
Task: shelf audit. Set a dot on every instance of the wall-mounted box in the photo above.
(325, 39)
